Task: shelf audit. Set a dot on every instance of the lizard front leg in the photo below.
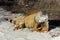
(36, 28)
(43, 27)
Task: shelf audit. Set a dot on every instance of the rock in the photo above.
(19, 39)
(38, 36)
(2, 36)
(56, 38)
(55, 32)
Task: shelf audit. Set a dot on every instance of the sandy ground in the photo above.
(7, 33)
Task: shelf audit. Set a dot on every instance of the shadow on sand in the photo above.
(53, 24)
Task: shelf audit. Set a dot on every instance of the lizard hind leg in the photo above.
(16, 27)
(19, 26)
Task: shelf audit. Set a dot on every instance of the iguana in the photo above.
(35, 20)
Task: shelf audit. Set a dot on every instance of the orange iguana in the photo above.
(35, 20)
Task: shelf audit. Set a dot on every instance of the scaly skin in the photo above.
(29, 22)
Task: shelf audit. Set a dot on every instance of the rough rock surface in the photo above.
(7, 33)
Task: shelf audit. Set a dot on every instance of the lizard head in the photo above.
(41, 17)
(42, 20)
